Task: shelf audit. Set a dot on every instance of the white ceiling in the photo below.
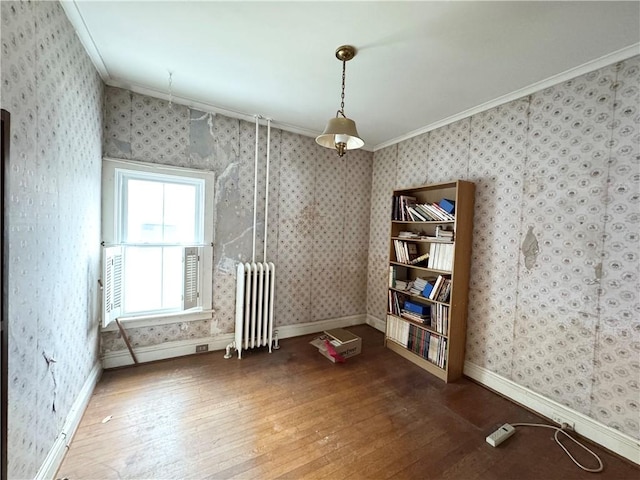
(419, 64)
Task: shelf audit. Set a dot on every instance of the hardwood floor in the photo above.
(293, 414)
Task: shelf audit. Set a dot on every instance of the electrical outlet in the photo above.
(202, 348)
(564, 423)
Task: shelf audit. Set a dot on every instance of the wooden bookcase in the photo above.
(437, 341)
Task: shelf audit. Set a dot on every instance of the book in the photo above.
(445, 291)
(441, 256)
(406, 252)
(434, 213)
(419, 259)
(416, 317)
(412, 251)
(406, 201)
(447, 205)
(442, 212)
(442, 233)
(426, 291)
(417, 217)
(419, 284)
(435, 291)
(415, 288)
(417, 307)
(425, 212)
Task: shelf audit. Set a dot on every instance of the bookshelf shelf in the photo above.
(419, 297)
(437, 222)
(420, 325)
(433, 292)
(417, 267)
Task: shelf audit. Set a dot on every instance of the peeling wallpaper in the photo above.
(54, 96)
(554, 301)
(318, 225)
(554, 296)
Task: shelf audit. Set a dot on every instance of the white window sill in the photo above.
(162, 319)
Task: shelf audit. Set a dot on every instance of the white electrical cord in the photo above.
(555, 436)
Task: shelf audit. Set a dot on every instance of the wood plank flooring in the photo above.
(292, 414)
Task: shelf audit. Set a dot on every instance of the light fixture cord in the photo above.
(170, 89)
(344, 69)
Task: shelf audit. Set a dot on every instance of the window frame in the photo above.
(111, 202)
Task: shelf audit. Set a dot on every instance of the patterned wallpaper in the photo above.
(557, 173)
(554, 295)
(54, 96)
(319, 204)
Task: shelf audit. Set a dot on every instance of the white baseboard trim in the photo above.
(121, 358)
(289, 331)
(152, 353)
(56, 454)
(610, 438)
(377, 323)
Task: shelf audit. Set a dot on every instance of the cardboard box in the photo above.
(346, 343)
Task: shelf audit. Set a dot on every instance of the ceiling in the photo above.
(419, 64)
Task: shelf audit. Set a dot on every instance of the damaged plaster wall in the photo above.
(54, 95)
(554, 301)
(319, 204)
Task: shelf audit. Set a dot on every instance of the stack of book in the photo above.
(432, 212)
(428, 345)
(418, 286)
(406, 209)
(441, 256)
(401, 205)
(398, 330)
(406, 252)
(395, 301)
(404, 234)
(440, 318)
(444, 235)
(441, 289)
(429, 212)
(416, 311)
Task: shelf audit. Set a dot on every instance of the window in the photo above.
(157, 230)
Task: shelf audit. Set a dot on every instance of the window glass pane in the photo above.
(180, 213)
(144, 211)
(153, 279)
(161, 212)
(142, 279)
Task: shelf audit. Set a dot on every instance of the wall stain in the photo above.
(530, 249)
(598, 270)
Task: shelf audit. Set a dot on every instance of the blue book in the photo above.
(427, 289)
(417, 307)
(448, 206)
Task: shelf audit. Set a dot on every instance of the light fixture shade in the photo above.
(340, 129)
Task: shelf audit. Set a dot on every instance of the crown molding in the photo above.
(72, 11)
(614, 57)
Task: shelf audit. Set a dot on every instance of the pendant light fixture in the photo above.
(340, 132)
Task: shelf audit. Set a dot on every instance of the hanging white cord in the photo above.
(266, 195)
(555, 436)
(255, 191)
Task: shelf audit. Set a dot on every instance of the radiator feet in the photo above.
(227, 355)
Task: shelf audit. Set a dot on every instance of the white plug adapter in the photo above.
(500, 435)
